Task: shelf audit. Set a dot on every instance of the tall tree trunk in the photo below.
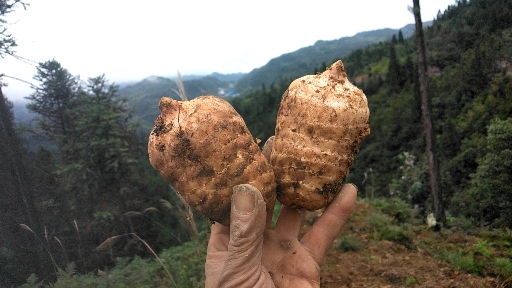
(426, 112)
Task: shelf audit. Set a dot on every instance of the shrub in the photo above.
(394, 207)
(378, 220)
(482, 248)
(411, 281)
(505, 266)
(350, 243)
(395, 234)
(464, 261)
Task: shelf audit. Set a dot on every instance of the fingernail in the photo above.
(243, 199)
(357, 189)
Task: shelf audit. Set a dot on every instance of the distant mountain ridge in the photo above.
(305, 60)
(144, 95)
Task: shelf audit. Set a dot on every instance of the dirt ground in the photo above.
(385, 264)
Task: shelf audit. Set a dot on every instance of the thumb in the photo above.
(248, 215)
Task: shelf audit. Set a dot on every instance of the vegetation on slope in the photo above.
(96, 183)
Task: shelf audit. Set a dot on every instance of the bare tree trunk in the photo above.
(426, 112)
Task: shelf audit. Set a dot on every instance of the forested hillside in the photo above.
(91, 183)
(305, 60)
(90, 200)
(469, 53)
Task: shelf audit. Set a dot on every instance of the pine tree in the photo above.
(394, 77)
(394, 41)
(400, 37)
(53, 99)
(99, 153)
(7, 42)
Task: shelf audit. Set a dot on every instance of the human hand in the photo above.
(249, 254)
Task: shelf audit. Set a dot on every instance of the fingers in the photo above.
(266, 151)
(267, 147)
(217, 253)
(289, 222)
(329, 225)
(243, 262)
(219, 238)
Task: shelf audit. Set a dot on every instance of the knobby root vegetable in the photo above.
(320, 124)
(203, 149)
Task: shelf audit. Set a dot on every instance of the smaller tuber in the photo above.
(320, 124)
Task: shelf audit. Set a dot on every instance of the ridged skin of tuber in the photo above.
(320, 124)
(203, 148)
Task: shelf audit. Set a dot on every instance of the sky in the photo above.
(130, 40)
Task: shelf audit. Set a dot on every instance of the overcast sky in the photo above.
(130, 40)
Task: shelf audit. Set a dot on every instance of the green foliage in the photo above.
(411, 281)
(395, 233)
(394, 207)
(378, 221)
(259, 109)
(185, 263)
(505, 265)
(32, 282)
(464, 261)
(387, 222)
(97, 169)
(492, 182)
(96, 177)
(52, 100)
(482, 248)
(7, 42)
(350, 243)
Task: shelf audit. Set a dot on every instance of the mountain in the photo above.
(145, 95)
(306, 60)
(233, 77)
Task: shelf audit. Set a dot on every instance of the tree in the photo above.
(53, 100)
(426, 112)
(400, 37)
(394, 77)
(98, 153)
(492, 182)
(394, 41)
(7, 41)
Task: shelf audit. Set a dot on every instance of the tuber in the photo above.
(203, 149)
(321, 122)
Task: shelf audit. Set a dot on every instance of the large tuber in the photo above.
(320, 124)
(203, 148)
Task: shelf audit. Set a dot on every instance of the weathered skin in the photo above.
(320, 124)
(203, 148)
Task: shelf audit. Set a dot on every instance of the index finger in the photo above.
(329, 225)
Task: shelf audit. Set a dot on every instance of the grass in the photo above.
(397, 234)
(411, 281)
(463, 260)
(478, 251)
(109, 242)
(181, 266)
